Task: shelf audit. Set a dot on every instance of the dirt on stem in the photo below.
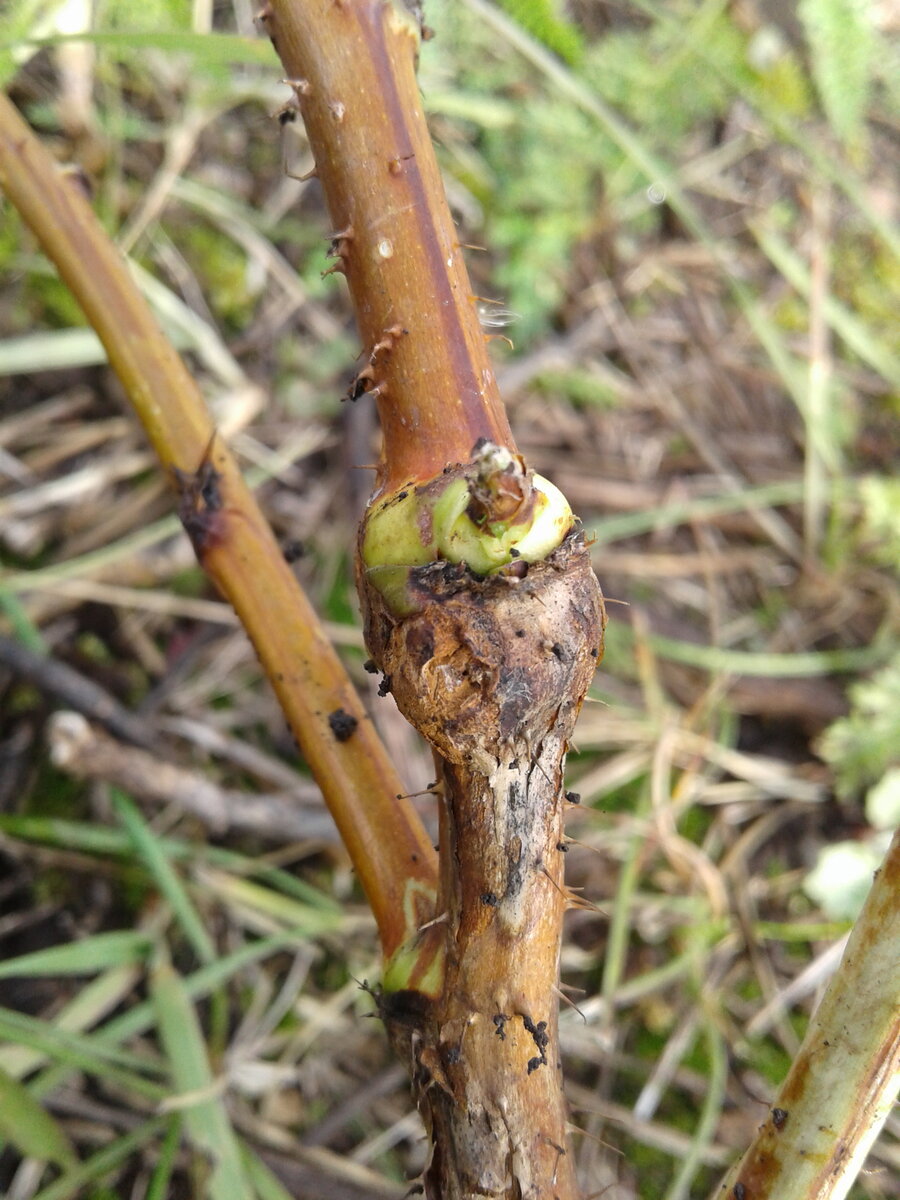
(493, 672)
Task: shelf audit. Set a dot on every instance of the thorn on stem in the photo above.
(312, 173)
(395, 165)
(337, 248)
(300, 87)
(286, 115)
(200, 503)
(389, 339)
(361, 384)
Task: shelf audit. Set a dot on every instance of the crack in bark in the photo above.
(493, 671)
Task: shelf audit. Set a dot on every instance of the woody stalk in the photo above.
(479, 606)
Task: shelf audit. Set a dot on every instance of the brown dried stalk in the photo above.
(491, 670)
(845, 1079)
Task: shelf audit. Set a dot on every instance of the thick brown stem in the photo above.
(493, 672)
(352, 70)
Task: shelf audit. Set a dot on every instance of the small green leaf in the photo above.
(883, 801)
(29, 1127)
(842, 40)
(862, 746)
(543, 21)
(842, 876)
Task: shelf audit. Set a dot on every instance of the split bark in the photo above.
(493, 673)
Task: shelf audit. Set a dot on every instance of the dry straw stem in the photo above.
(846, 1076)
(383, 835)
(351, 67)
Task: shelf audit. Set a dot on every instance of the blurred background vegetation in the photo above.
(683, 221)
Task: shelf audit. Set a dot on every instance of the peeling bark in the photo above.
(493, 672)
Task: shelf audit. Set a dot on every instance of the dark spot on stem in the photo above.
(385, 686)
(779, 1118)
(293, 550)
(404, 1007)
(573, 797)
(541, 1039)
(200, 503)
(490, 899)
(343, 724)
(739, 1191)
(500, 1020)
(370, 666)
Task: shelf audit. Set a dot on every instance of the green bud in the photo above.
(486, 514)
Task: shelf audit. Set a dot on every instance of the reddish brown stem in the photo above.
(352, 70)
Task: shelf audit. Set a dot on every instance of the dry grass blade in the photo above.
(845, 1078)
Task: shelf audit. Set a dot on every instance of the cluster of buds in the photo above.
(490, 514)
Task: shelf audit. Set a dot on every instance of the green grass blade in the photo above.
(23, 628)
(93, 1169)
(242, 894)
(810, 664)
(714, 1098)
(630, 524)
(198, 1099)
(152, 850)
(854, 332)
(620, 918)
(93, 839)
(88, 1006)
(142, 1016)
(31, 1129)
(658, 171)
(83, 1053)
(158, 1187)
(84, 957)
